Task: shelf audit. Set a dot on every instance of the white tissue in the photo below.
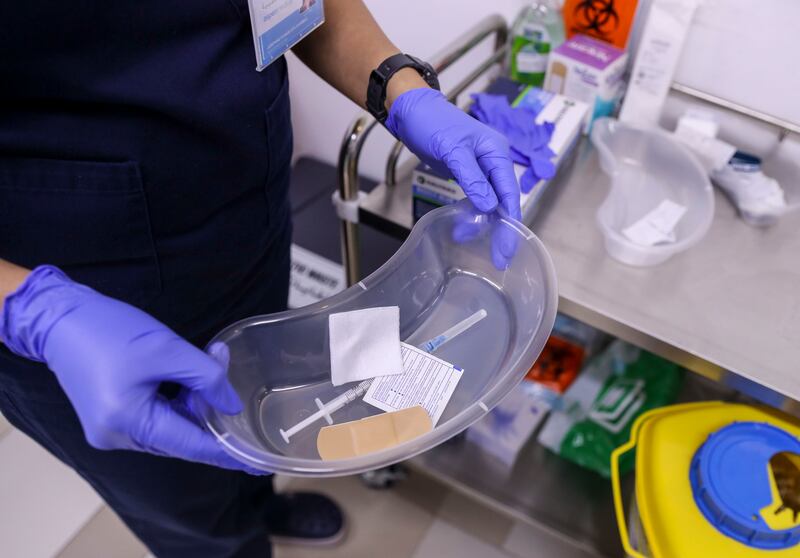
(658, 226)
(364, 344)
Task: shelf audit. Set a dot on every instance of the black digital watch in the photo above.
(380, 76)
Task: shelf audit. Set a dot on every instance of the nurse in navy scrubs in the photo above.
(144, 167)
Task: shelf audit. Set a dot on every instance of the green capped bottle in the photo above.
(538, 30)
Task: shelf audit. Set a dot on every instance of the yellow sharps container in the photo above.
(712, 480)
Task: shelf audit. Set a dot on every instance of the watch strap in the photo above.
(380, 76)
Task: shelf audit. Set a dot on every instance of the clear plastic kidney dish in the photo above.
(648, 166)
(442, 274)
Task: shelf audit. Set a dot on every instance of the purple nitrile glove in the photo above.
(110, 358)
(528, 141)
(540, 166)
(446, 138)
(469, 226)
(494, 110)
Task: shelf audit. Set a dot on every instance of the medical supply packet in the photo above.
(278, 25)
(588, 70)
(426, 380)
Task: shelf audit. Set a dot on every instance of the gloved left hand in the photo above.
(442, 135)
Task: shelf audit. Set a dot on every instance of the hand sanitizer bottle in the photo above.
(538, 30)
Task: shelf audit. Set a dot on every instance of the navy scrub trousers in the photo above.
(142, 153)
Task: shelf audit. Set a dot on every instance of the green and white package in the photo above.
(596, 413)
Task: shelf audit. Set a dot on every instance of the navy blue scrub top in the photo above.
(142, 153)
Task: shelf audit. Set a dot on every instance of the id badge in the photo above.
(278, 25)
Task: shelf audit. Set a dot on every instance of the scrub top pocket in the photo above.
(88, 218)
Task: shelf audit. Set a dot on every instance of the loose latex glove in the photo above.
(110, 359)
(529, 141)
(446, 138)
(540, 167)
(530, 147)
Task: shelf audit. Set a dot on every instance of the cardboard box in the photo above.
(588, 70)
(432, 190)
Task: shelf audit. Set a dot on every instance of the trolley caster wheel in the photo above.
(384, 478)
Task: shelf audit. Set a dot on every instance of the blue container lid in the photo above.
(731, 485)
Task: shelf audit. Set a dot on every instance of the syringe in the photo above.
(325, 409)
(462, 326)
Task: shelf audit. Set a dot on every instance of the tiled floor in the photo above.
(47, 511)
(534, 542)
(478, 520)
(386, 523)
(104, 535)
(445, 540)
(5, 428)
(42, 502)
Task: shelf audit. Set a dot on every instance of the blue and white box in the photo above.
(505, 430)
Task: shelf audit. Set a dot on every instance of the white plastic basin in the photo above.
(442, 274)
(647, 166)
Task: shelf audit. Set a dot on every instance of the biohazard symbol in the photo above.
(596, 17)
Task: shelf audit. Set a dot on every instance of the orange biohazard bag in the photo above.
(607, 20)
(558, 365)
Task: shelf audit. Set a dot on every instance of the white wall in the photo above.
(751, 54)
(739, 50)
(420, 27)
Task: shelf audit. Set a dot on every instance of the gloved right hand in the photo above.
(445, 137)
(110, 359)
(448, 139)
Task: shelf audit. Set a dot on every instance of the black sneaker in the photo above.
(305, 518)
